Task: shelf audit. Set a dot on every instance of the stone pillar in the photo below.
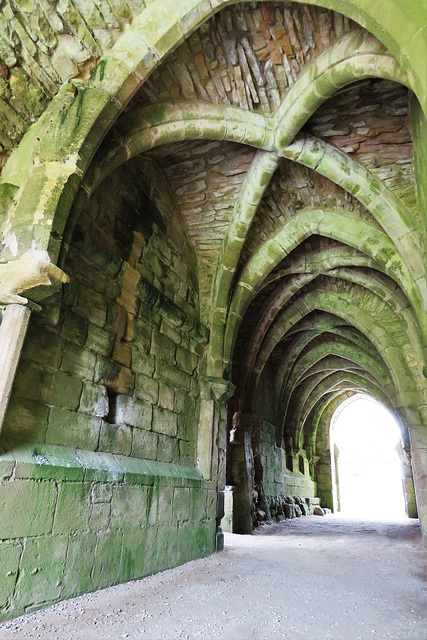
(16, 277)
(336, 479)
(13, 329)
(214, 392)
(418, 440)
(211, 443)
(242, 469)
(408, 485)
(323, 477)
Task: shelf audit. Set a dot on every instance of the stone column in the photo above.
(13, 328)
(408, 482)
(415, 419)
(16, 277)
(242, 466)
(211, 443)
(418, 440)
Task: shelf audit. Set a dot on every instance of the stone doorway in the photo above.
(368, 460)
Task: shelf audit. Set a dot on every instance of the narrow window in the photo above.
(111, 417)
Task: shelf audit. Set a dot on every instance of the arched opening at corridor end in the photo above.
(366, 450)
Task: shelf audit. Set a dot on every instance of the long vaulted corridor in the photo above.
(306, 579)
(213, 232)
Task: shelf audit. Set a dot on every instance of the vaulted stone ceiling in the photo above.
(282, 132)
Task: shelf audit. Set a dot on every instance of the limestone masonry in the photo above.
(212, 234)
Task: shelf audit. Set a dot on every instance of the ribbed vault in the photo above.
(282, 132)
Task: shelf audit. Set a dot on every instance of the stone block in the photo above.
(75, 328)
(143, 362)
(142, 335)
(99, 340)
(105, 370)
(115, 438)
(61, 389)
(171, 332)
(167, 449)
(162, 347)
(198, 504)
(179, 400)
(129, 505)
(144, 444)
(165, 422)
(186, 360)
(94, 400)
(100, 466)
(79, 361)
(172, 376)
(204, 538)
(135, 554)
(115, 377)
(101, 492)
(72, 508)
(78, 565)
(133, 412)
(194, 387)
(10, 554)
(167, 547)
(106, 567)
(99, 516)
(47, 462)
(153, 262)
(42, 346)
(181, 504)
(211, 503)
(28, 380)
(25, 420)
(41, 571)
(159, 504)
(122, 353)
(187, 427)
(91, 305)
(7, 465)
(146, 388)
(185, 542)
(73, 429)
(166, 397)
(187, 453)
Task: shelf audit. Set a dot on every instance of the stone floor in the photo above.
(315, 578)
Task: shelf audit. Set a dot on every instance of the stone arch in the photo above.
(297, 229)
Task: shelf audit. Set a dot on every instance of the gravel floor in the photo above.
(315, 578)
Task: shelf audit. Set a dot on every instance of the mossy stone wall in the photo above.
(99, 483)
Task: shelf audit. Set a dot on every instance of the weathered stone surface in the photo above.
(72, 508)
(34, 504)
(61, 390)
(200, 262)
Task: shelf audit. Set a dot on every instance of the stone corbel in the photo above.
(218, 389)
(16, 277)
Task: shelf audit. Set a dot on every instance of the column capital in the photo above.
(218, 389)
(17, 276)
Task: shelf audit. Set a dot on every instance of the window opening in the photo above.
(111, 416)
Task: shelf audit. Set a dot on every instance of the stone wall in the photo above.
(99, 441)
(276, 485)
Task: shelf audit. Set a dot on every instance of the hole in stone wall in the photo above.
(290, 463)
(111, 416)
(367, 440)
(301, 465)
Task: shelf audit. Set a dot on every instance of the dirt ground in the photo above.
(314, 578)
